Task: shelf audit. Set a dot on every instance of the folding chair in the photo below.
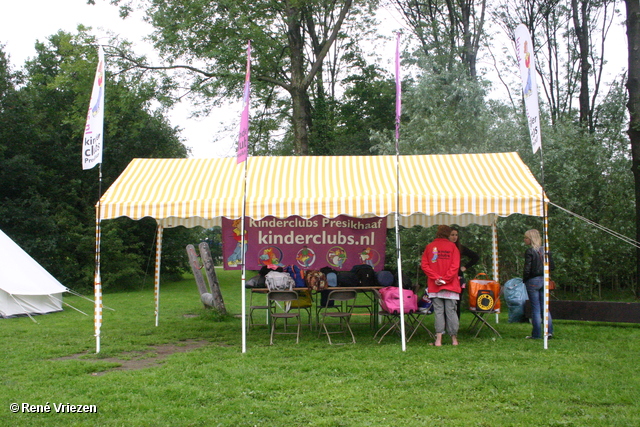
(344, 301)
(323, 303)
(391, 323)
(280, 308)
(369, 309)
(304, 302)
(257, 306)
(416, 322)
(479, 320)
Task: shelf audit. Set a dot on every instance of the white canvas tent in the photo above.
(26, 288)
(424, 190)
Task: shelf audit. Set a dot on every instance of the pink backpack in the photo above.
(390, 301)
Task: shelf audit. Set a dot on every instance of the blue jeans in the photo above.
(535, 289)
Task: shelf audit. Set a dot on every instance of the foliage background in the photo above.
(47, 202)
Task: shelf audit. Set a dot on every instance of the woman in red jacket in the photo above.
(441, 262)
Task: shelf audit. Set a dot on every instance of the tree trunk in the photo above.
(581, 25)
(297, 89)
(212, 277)
(633, 86)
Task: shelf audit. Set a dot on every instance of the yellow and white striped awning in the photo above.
(433, 189)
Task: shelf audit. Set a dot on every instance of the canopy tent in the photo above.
(430, 189)
(26, 288)
(434, 189)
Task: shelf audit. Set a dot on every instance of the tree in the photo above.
(291, 40)
(571, 61)
(46, 199)
(633, 105)
(448, 30)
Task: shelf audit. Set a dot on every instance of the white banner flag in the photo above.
(93, 131)
(526, 60)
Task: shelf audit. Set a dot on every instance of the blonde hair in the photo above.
(534, 236)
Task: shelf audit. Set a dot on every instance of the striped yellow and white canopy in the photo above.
(430, 189)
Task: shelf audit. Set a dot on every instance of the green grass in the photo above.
(588, 376)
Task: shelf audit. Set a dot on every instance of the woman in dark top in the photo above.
(533, 277)
(467, 254)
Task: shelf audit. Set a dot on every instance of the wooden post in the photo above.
(195, 267)
(212, 278)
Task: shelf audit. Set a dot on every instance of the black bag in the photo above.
(347, 279)
(324, 298)
(256, 281)
(384, 278)
(366, 275)
(406, 281)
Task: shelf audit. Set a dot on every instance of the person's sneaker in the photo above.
(530, 338)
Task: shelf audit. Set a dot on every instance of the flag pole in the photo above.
(398, 251)
(244, 264)
(97, 283)
(242, 157)
(526, 61)
(92, 144)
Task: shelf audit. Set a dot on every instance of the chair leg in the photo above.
(273, 328)
(348, 324)
(393, 325)
(323, 325)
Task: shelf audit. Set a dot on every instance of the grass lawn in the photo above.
(190, 371)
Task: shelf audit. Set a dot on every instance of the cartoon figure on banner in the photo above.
(93, 111)
(336, 256)
(527, 62)
(235, 258)
(306, 257)
(369, 257)
(270, 255)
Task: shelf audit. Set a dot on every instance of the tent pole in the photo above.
(399, 257)
(545, 246)
(398, 249)
(546, 274)
(156, 289)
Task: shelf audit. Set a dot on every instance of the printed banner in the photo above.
(526, 60)
(339, 243)
(93, 133)
(243, 140)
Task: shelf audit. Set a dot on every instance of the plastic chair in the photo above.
(280, 308)
(342, 310)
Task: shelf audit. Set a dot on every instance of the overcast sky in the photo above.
(22, 22)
